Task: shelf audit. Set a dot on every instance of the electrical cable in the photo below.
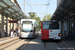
(47, 7)
(29, 5)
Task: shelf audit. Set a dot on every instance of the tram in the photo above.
(28, 28)
(51, 30)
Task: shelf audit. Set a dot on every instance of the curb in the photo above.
(9, 40)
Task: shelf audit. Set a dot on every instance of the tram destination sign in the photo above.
(27, 22)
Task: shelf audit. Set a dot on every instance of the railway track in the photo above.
(60, 46)
(63, 46)
(22, 44)
(3, 47)
(45, 46)
(25, 45)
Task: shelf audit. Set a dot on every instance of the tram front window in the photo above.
(26, 27)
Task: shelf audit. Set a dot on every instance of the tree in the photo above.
(32, 15)
(47, 17)
(37, 18)
(38, 21)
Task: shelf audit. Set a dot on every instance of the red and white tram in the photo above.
(51, 30)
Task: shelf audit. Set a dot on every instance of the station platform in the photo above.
(69, 43)
(7, 39)
(4, 38)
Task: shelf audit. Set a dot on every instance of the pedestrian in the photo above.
(15, 32)
(4, 32)
(19, 31)
(69, 36)
(12, 32)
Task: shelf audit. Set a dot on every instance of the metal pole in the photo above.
(17, 23)
(24, 6)
(2, 24)
(13, 23)
(10, 23)
(46, 17)
(6, 26)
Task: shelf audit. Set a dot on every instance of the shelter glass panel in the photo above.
(15, 8)
(7, 11)
(8, 2)
(0, 7)
(11, 10)
(2, 4)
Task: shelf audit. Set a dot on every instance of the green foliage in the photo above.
(37, 18)
(47, 17)
(38, 21)
(32, 15)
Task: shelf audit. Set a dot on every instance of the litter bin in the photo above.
(74, 34)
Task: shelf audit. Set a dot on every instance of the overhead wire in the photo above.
(47, 8)
(48, 5)
(29, 6)
(29, 1)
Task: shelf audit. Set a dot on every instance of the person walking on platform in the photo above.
(12, 32)
(17, 31)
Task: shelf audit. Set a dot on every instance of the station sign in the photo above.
(13, 21)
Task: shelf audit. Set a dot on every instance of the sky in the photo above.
(40, 10)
